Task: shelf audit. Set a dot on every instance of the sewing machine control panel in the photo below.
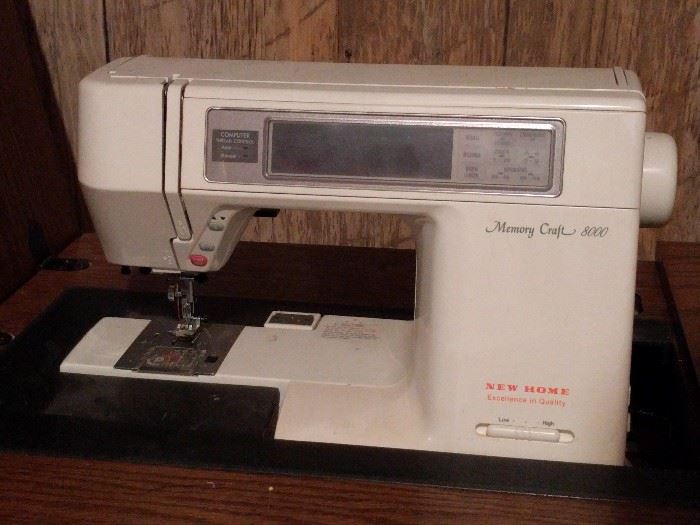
(492, 155)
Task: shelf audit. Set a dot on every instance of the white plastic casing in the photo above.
(524, 303)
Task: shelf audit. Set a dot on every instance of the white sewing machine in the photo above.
(525, 186)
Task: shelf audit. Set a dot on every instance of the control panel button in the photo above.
(216, 225)
(207, 246)
(198, 259)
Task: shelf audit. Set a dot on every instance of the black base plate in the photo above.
(44, 411)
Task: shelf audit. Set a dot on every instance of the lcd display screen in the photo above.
(343, 149)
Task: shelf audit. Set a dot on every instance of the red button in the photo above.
(198, 259)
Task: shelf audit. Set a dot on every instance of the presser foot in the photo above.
(187, 331)
(182, 294)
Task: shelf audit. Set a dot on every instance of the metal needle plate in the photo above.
(157, 350)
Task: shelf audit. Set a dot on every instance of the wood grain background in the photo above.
(38, 192)
(659, 39)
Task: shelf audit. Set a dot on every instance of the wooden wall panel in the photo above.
(38, 190)
(72, 39)
(241, 29)
(71, 33)
(660, 40)
(464, 32)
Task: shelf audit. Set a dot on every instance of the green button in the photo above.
(216, 226)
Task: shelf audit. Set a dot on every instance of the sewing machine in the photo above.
(525, 188)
